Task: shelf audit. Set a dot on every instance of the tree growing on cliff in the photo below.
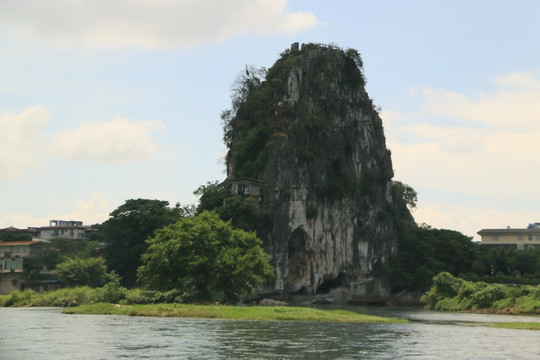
(243, 212)
(127, 229)
(206, 258)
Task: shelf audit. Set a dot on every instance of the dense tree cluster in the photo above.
(204, 258)
(424, 252)
(127, 229)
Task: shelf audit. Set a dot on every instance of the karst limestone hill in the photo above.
(308, 142)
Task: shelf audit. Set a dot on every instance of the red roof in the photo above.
(13, 229)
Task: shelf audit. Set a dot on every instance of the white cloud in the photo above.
(483, 147)
(479, 145)
(119, 140)
(96, 210)
(21, 141)
(470, 219)
(148, 24)
(92, 211)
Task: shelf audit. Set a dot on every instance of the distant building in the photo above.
(23, 252)
(13, 254)
(519, 238)
(13, 234)
(62, 228)
(244, 187)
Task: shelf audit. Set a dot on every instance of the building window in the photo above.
(520, 237)
(242, 189)
(530, 237)
(495, 237)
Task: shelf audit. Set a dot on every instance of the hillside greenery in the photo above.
(258, 113)
(242, 211)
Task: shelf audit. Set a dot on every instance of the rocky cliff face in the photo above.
(311, 134)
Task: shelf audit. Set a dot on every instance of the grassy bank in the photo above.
(450, 293)
(230, 312)
(120, 301)
(518, 325)
(86, 295)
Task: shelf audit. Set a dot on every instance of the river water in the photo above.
(45, 333)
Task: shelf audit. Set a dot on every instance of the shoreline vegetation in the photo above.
(450, 293)
(517, 325)
(232, 312)
(117, 300)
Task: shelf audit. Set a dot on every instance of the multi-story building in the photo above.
(13, 254)
(62, 228)
(518, 238)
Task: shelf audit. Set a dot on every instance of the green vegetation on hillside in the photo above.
(243, 211)
(258, 113)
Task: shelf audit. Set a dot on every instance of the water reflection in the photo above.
(47, 334)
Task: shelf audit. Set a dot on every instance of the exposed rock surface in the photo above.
(311, 134)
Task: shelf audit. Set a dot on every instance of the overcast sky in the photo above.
(104, 101)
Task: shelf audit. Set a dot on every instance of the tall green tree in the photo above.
(127, 229)
(204, 257)
(210, 196)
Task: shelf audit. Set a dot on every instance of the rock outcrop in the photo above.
(311, 135)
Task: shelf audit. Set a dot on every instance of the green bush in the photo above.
(139, 296)
(447, 285)
(449, 293)
(487, 295)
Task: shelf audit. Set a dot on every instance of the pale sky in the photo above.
(104, 101)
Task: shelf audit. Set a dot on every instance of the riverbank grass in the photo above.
(272, 313)
(518, 325)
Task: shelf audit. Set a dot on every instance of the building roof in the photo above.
(250, 180)
(509, 231)
(7, 243)
(62, 227)
(13, 229)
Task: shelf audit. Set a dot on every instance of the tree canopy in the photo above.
(82, 272)
(243, 211)
(205, 258)
(127, 229)
(423, 252)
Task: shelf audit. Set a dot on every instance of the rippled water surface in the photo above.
(45, 333)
